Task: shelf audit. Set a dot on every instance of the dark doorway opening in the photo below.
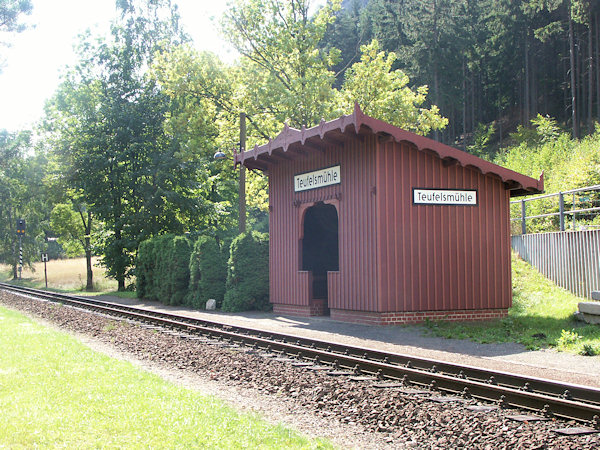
(320, 252)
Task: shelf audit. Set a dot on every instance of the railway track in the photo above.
(541, 396)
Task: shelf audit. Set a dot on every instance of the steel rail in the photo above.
(565, 400)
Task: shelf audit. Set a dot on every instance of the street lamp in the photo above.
(242, 184)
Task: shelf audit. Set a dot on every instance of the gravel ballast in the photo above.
(352, 414)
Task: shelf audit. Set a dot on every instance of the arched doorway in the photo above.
(320, 248)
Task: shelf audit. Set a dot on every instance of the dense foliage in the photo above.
(248, 273)
(485, 61)
(567, 164)
(208, 273)
(11, 15)
(169, 271)
(22, 196)
(163, 269)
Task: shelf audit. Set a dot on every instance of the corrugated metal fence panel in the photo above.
(440, 257)
(355, 287)
(569, 258)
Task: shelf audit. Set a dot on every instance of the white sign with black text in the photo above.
(444, 197)
(318, 178)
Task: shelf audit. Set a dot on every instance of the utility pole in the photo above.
(242, 175)
(242, 185)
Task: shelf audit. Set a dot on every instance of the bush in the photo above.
(179, 270)
(248, 273)
(208, 273)
(163, 269)
(567, 164)
(143, 269)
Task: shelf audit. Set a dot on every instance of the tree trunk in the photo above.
(566, 99)
(472, 103)
(87, 246)
(437, 96)
(526, 93)
(590, 79)
(464, 109)
(436, 84)
(580, 81)
(88, 263)
(597, 68)
(120, 269)
(573, 82)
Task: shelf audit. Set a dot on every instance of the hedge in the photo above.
(163, 270)
(170, 272)
(208, 273)
(248, 273)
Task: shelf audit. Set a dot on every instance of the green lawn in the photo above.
(541, 316)
(56, 392)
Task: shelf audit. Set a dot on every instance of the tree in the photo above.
(205, 119)
(21, 197)
(74, 222)
(424, 36)
(209, 96)
(282, 77)
(108, 122)
(287, 78)
(384, 93)
(11, 13)
(347, 34)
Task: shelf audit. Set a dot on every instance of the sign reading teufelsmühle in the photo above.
(318, 178)
(444, 197)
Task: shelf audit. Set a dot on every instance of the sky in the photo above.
(38, 55)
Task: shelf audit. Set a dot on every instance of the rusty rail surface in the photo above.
(547, 397)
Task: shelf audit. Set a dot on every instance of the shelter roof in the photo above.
(293, 144)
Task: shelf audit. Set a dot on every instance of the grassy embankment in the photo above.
(56, 392)
(541, 316)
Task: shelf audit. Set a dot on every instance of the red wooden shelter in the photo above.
(371, 223)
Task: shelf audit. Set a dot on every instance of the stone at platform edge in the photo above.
(589, 312)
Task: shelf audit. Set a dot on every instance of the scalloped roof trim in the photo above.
(358, 119)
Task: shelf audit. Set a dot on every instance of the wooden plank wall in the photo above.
(436, 257)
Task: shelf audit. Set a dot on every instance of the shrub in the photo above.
(567, 339)
(179, 271)
(163, 269)
(208, 273)
(248, 273)
(567, 164)
(145, 269)
(589, 350)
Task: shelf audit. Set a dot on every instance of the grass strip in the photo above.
(56, 392)
(541, 316)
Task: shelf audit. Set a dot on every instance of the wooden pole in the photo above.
(242, 185)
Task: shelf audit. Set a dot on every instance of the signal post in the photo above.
(20, 233)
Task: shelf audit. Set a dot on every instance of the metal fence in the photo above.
(566, 247)
(584, 203)
(570, 259)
